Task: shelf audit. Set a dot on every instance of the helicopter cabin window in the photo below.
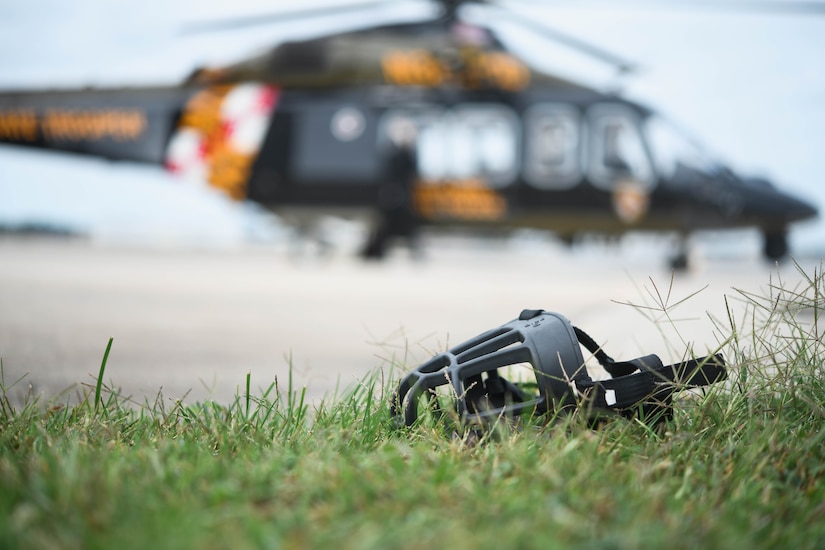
(552, 146)
(426, 120)
(466, 142)
(617, 150)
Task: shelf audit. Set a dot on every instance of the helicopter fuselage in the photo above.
(569, 160)
(565, 161)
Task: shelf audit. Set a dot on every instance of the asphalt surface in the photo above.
(192, 323)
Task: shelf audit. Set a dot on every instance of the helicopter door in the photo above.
(551, 156)
(334, 145)
(618, 155)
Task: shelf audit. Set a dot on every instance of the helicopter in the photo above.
(306, 127)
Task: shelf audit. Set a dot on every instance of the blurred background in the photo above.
(746, 79)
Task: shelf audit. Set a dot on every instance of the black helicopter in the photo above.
(306, 128)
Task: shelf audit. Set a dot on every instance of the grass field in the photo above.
(740, 466)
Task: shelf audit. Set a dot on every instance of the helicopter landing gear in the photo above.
(775, 246)
(679, 261)
(376, 247)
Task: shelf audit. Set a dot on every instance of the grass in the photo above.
(739, 466)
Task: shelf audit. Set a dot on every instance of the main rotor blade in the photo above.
(281, 17)
(790, 7)
(778, 7)
(622, 65)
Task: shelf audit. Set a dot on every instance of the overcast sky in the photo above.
(750, 86)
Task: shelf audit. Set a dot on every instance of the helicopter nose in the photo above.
(781, 206)
(770, 204)
(798, 209)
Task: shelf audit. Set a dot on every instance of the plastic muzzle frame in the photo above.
(551, 346)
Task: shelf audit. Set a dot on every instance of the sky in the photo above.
(750, 86)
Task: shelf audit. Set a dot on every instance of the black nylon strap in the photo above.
(613, 367)
(629, 390)
(628, 387)
(594, 348)
(702, 371)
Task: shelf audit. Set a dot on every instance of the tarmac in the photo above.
(191, 323)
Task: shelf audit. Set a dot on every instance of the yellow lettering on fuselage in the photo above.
(476, 69)
(468, 200)
(414, 68)
(73, 124)
(18, 125)
(494, 68)
(88, 125)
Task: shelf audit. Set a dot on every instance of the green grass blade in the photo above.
(100, 374)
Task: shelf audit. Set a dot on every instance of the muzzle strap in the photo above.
(613, 368)
(654, 384)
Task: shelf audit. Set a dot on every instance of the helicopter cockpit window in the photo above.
(552, 146)
(617, 149)
(470, 141)
(672, 148)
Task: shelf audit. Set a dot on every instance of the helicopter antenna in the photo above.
(450, 9)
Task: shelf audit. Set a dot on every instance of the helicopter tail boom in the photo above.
(211, 133)
(119, 124)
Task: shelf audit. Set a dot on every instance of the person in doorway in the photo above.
(397, 216)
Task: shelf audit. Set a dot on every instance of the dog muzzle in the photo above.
(474, 375)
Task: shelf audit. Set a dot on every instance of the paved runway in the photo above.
(197, 321)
